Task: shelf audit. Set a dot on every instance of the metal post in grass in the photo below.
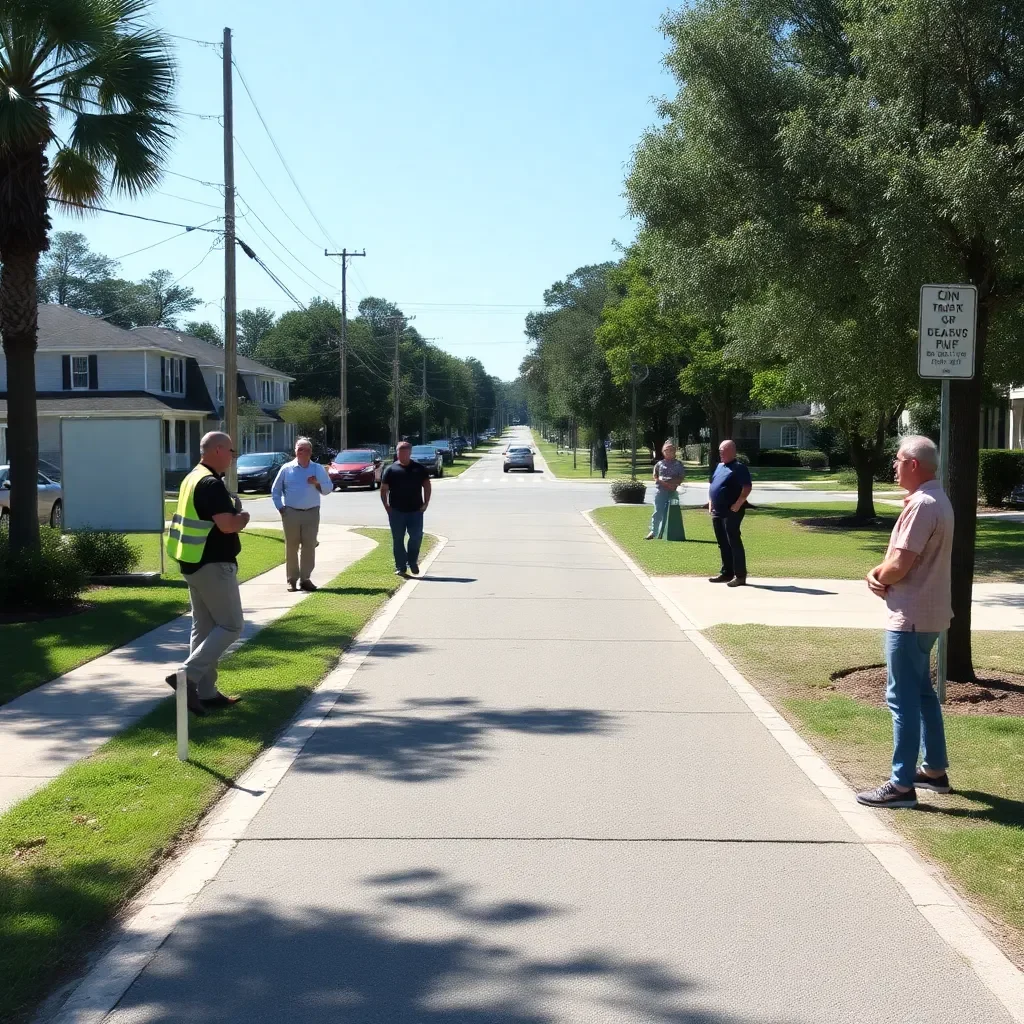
(181, 706)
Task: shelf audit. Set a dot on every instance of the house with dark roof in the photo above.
(789, 426)
(88, 367)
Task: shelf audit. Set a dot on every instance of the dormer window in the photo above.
(172, 375)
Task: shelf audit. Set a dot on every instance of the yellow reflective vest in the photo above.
(186, 538)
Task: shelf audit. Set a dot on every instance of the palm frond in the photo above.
(131, 146)
(74, 178)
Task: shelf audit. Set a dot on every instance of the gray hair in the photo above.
(303, 440)
(924, 449)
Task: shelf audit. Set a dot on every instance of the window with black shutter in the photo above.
(163, 374)
(65, 372)
(94, 373)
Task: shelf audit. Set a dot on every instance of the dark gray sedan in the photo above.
(430, 457)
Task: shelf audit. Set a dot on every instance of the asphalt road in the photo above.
(538, 802)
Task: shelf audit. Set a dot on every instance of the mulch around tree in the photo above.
(995, 693)
(11, 617)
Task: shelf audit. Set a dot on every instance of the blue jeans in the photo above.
(660, 514)
(915, 707)
(402, 523)
(730, 544)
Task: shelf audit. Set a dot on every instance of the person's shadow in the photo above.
(790, 589)
(998, 810)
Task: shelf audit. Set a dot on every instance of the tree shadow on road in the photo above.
(415, 946)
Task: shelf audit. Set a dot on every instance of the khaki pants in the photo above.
(216, 622)
(301, 525)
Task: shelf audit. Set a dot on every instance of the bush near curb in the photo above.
(811, 458)
(628, 492)
(777, 457)
(999, 473)
(103, 554)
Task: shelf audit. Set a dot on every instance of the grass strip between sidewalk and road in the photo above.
(976, 833)
(74, 853)
(36, 652)
(778, 545)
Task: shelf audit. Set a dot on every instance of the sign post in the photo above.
(945, 350)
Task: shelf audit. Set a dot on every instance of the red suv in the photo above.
(356, 467)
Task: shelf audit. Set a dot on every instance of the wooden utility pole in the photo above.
(343, 347)
(230, 300)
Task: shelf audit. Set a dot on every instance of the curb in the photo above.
(942, 908)
(162, 904)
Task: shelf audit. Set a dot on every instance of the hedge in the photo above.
(999, 473)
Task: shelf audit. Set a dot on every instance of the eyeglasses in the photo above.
(897, 460)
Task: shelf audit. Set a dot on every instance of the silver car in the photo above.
(51, 503)
(518, 457)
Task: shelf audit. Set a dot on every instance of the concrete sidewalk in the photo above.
(51, 727)
(538, 802)
(822, 602)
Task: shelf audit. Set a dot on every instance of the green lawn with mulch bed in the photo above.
(777, 544)
(976, 833)
(74, 853)
(36, 652)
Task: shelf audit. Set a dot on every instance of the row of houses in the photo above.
(1002, 426)
(88, 367)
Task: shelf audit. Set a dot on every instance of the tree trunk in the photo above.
(19, 315)
(964, 437)
(863, 459)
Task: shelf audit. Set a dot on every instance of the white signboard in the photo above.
(112, 474)
(945, 346)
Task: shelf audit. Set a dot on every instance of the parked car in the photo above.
(518, 457)
(51, 500)
(257, 470)
(447, 452)
(429, 456)
(356, 467)
(48, 469)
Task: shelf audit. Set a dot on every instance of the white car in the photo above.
(518, 457)
(51, 504)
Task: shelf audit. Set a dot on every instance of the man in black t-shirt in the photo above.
(213, 580)
(405, 492)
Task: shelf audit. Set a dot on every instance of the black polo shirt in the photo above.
(211, 498)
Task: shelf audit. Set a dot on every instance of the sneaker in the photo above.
(739, 581)
(649, 536)
(403, 573)
(938, 784)
(720, 578)
(307, 585)
(414, 569)
(887, 795)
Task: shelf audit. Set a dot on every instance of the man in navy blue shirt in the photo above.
(730, 486)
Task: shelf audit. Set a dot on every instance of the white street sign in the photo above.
(945, 345)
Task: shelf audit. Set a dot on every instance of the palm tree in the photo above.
(85, 91)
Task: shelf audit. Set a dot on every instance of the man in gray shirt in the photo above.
(669, 473)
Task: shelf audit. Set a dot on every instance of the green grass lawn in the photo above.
(777, 545)
(73, 853)
(619, 463)
(976, 834)
(35, 652)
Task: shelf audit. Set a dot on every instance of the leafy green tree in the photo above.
(205, 330)
(85, 108)
(305, 413)
(253, 325)
(163, 300)
(69, 269)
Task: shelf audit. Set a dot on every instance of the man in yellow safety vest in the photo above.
(204, 540)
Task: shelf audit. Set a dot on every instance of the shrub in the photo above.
(743, 457)
(628, 492)
(103, 554)
(43, 580)
(999, 472)
(778, 457)
(811, 458)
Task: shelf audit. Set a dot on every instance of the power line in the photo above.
(270, 192)
(273, 277)
(199, 181)
(135, 216)
(277, 149)
(252, 227)
(185, 199)
(162, 241)
(198, 42)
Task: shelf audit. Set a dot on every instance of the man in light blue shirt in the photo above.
(296, 493)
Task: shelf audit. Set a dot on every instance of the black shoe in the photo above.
(307, 585)
(192, 701)
(292, 585)
(939, 784)
(887, 795)
(414, 569)
(720, 578)
(222, 700)
(403, 573)
(739, 581)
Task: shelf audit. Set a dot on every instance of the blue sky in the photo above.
(476, 150)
